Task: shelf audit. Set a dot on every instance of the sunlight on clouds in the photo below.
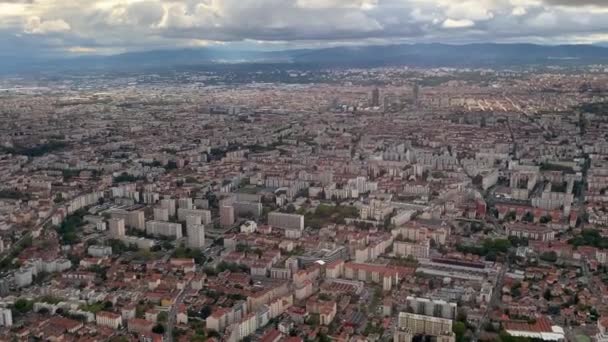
(462, 23)
(198, 43)
(12, 9)
(80, 50)
(109, 4)
(519, 11)
(35, 25)
(358, 4)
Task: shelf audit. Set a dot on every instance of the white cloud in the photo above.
(461, 23)
(11, 9)
(332, 4)
(80, 50)
(470, 9)
(152, 24)
(35, 25)
(519, 11)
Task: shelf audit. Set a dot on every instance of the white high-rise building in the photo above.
(117, 227)
(164, 228)
(205, 215)
(432, 307)
(134, 219)
(196, 235)
(184, 203)
(24, 277)
(161, 214)
(286, 221)
(193, 220)
(6, 317)
(169, 203)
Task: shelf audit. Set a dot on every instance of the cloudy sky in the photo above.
(70, 27)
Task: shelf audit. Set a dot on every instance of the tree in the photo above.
(324, 296)
(515, 292)
(549, 256)
(23, 305)
(529, 217)
(478, 180)
(162, 316)
(159, 329)
(58, 198)
(213, 333)
(510, 216)
(461, 316)
(459, 329)
(206, 311)
(321, 337)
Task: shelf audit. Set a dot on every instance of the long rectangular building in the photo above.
(286, 221)
(411, 325)
(164, 229)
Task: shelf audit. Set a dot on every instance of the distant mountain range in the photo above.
(423, 55)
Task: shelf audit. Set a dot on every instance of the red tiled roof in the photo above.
(65, 324)
(542, 324)
(293, 339)
(270, 336)
(110, 315)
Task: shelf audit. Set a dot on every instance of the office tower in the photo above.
(117, 227)
(196, 235)
(415, 93)
(184, 203)
(375, 97)
(226, 216)
(161, 214)
(168, 203)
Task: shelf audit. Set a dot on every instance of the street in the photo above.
(494, 301)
